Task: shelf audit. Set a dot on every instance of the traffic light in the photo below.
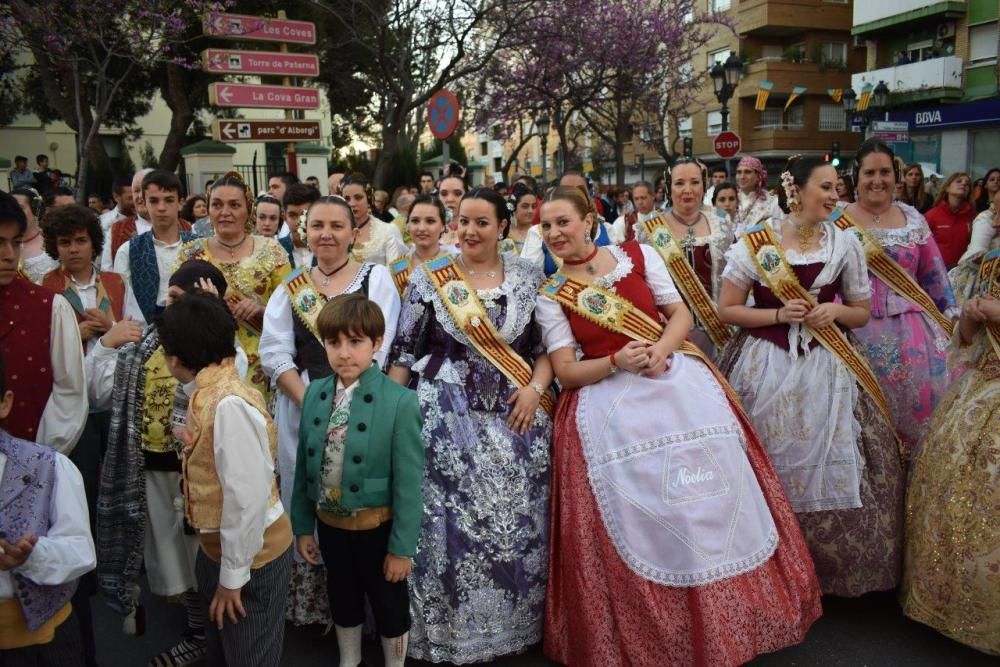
(834, 159)
(688, 147)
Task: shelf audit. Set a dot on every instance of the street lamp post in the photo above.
(542, 124)
(725, 78)
(878, 103)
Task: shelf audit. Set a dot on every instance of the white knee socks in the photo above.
(394, 650)
(349, 645)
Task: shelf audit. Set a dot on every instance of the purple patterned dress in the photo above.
(906, 347)
(477, 590)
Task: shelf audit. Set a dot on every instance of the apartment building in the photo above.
(805, 43)
(939, 60)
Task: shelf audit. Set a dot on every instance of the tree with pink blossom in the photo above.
(609, 67)
(91, 51)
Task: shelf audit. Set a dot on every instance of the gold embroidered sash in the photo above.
(619, 315)
(989, 284)
(470, 317)
(890, 272)
(401, 270)
(683, 274)
(779, 277)
(306, 300)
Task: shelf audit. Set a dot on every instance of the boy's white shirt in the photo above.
(67, 551)
(245, 468)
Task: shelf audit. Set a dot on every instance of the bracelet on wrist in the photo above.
(614, 366)
(777, 316)
(537, 386)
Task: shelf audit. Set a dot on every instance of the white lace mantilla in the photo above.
(520, 285)
(915, 232)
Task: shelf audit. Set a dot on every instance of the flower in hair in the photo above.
(791, 191)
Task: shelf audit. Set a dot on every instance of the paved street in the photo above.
(851, 633)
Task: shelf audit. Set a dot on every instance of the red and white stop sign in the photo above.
(727, 144)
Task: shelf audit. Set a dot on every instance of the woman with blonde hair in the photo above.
(914, 191)
(950, 219)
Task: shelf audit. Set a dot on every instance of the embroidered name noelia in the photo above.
(686, 477)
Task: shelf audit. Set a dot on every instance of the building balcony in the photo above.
(786, 17)
(871, 17)
(933, 79)
(785, 75)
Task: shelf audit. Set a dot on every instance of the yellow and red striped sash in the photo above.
(779, 277)
(306, 300)
(618, 315)
(890, 272)
(401, 269)
(470, 317)
(989, 284)
(683, 274)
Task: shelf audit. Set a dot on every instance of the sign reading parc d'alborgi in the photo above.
(231, 131)
(262, 97)
(258, 28)
(267, 63)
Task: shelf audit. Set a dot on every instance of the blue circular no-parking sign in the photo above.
(442, 114)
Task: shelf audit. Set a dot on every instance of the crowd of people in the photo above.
(642, 426)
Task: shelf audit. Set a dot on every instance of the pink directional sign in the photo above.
(262, 97)
(226, 61)
(258, 28)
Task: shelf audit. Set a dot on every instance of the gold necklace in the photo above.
(806, 234)
(489, 274)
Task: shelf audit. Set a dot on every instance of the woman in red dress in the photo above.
(677, 547)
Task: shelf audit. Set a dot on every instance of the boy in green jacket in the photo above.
(359, 470)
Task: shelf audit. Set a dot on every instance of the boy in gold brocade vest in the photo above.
(231, 494)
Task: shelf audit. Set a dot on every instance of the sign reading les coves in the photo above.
(256, 28)
(266, 130)
(262, 97)
(268, 63)
(727, 144)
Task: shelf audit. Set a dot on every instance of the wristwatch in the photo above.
(537, 386)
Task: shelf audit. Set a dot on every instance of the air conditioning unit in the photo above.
(945, 30)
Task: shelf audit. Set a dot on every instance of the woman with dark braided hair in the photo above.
(806, 386)
(254, 266)
(524, 201)
(467, 328)
(376, 241)
(292, 355)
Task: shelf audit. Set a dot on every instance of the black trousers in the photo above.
(88, 456)
(354, 560)
(63, 651)
(254, 641)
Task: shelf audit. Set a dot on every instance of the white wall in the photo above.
(954, 151)
(866, 11)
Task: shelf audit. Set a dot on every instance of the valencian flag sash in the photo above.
(401, 270)
(797, 92)
(989, 285)
(608, 310)
(306, 300)
(835, 94)
(889, 271)
(866, 97)
(763, 90)
(683, 274)
(779, 277)
(470, 317)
